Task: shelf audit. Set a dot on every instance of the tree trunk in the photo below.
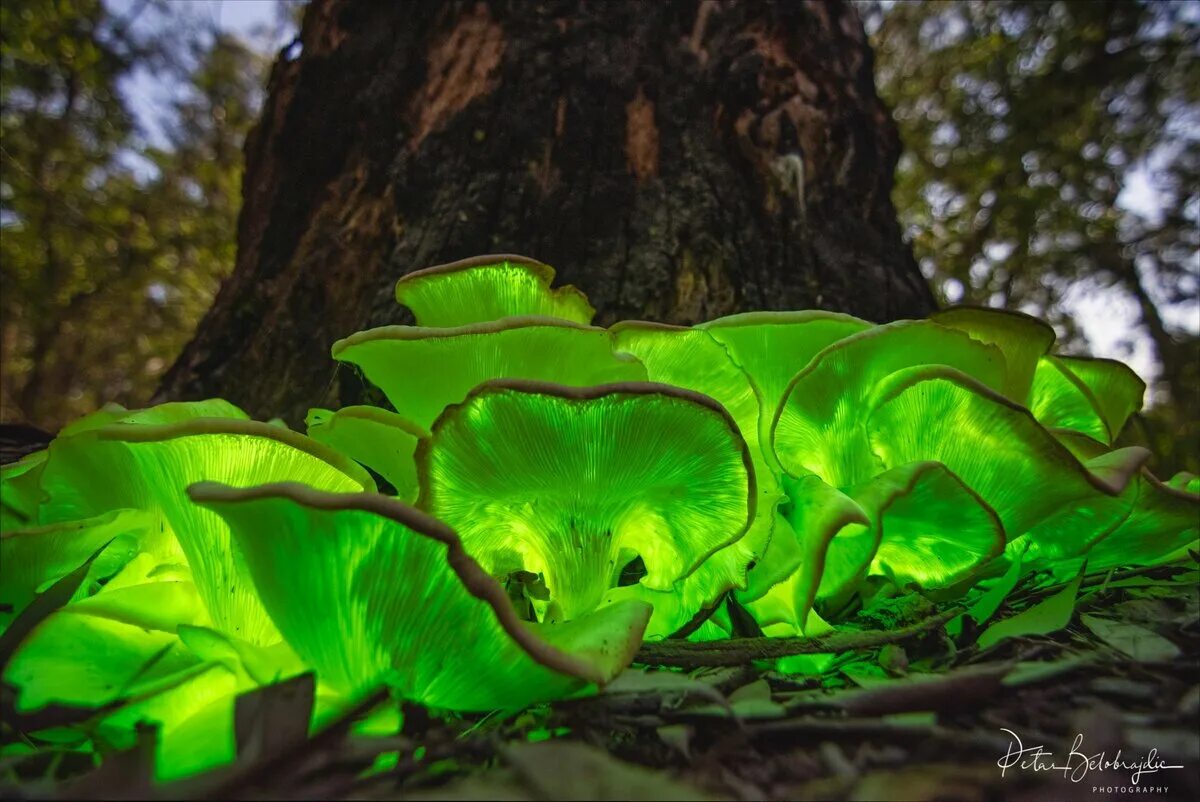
(676, 161)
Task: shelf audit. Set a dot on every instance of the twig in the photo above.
(740, 651)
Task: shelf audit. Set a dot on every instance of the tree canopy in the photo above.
(1027, 126)
(114, 239)
(1024, 125)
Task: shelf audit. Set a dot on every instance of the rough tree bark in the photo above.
(676, 161)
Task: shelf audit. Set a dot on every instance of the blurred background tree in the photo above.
(1051, 165)
(1052, 157)
(113, 239)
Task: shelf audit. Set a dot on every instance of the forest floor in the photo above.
(904, 710)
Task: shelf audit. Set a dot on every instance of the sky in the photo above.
(255, 21)
(1108, 317)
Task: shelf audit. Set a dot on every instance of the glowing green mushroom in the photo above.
(147, 467)
(692, 359)
(117, 644)
(1091, 396)
(772, 347)
(424, 370)
(909, 507)
(917, 523)
(381, 440)
(1186, 481)
(818, 426)
(1160, 518)
(489, 288)
(20, 492)
(1162, 522)
(831, 546)
(120, 650)
(745, 362)
(575, 483)
(31, 559)
(1023, 339)
(1003, 455)
(390, 595)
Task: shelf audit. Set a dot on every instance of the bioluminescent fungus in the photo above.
(380, 440)
(772, 347)
(1091, 396)
(1021, 338)
(486, 288)
(148, 467)
(33, 558)
(424, 370)
(391, 596)
(574, 484)
(692, 359)
(573, 488)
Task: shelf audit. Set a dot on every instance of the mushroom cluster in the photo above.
(543, 495)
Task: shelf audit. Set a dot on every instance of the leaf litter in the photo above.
(918, 718)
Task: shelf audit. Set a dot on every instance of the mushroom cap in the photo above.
(102, 649)
(489, 287)
(573, 483)
(1162, 522)
(33, 558)
(1186, 481)
(772, 347)
(382, 441)
(835, 543)
(148, 466)
(120, 652)
(369, 590)
(933, 530)
(818, 426)
(20, 494)
(1091, 396)
(424, 370)
(1000, 451)
(1161, 518)
(691, 358)
(1022, 338)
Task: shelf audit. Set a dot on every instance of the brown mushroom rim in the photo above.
(782, 318)
(931, 466)
(436, 332)
(477, 581)
(529, 386)
(1060, 452)
(540, 269)
(384, 417)
(949, 312)
(143, 433)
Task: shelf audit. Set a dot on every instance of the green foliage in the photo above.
(113, 245)
(1024, 123)
(557, 524)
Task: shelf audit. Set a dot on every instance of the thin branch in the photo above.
(740, 651)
